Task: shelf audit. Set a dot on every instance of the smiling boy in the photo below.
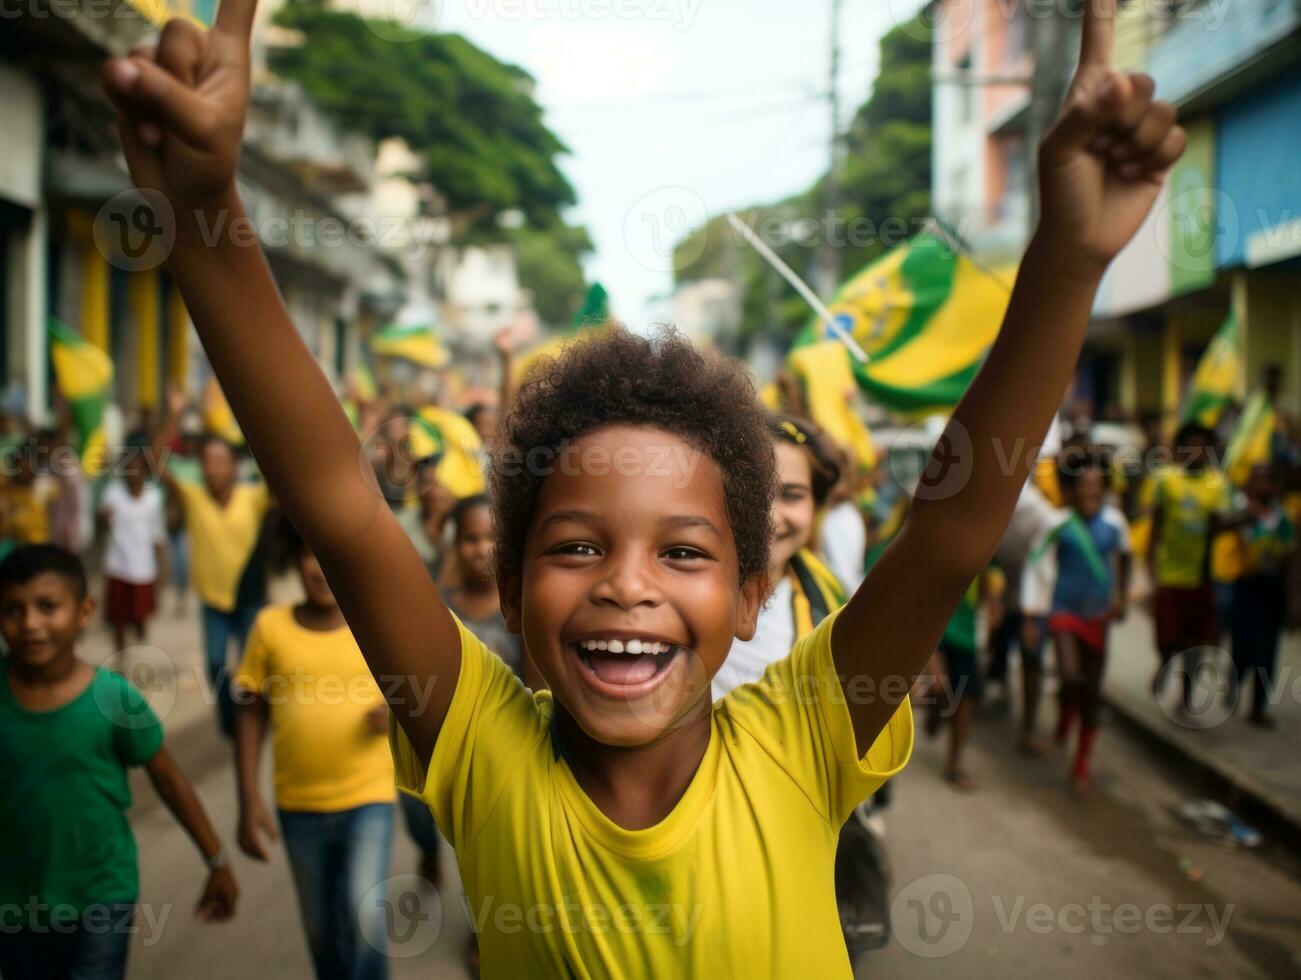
(623, 787)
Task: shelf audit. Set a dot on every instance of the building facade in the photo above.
(1226, 233)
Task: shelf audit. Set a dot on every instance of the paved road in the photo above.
(1019, 879)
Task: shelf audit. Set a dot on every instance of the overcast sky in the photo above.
(674, 109)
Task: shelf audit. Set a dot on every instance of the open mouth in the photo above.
(626, 668)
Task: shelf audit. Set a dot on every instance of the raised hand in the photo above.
(181, 105)
(1102, 165)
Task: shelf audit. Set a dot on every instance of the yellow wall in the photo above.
(1271, 314)
(144, 306)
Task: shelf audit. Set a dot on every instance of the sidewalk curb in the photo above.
(1240, 786)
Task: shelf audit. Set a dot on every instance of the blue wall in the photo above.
(1258, 163)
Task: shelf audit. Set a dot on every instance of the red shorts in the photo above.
(1185, 618)
(127, 602)
(1090, 632)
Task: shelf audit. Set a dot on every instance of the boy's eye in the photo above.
(576, 548)
(684, 554)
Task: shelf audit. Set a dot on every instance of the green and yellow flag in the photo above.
(1252, 441)
(413, 342)
(84, 375)
(925, 315)
(593, 315)
(1220, 378)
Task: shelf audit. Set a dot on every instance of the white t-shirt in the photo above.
(844, 544)
(135, 525)
(748, 659)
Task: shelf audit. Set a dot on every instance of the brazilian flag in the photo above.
(925, 315)
(84, 375)
(1220, 377)
(412, 342)
(1252, 441)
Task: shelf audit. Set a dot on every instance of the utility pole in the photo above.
(828, 269)
(1050, 35)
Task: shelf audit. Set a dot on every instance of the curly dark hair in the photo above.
(619, 378)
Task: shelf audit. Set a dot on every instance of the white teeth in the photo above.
(633, 647)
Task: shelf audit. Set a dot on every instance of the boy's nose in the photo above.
(628, 583)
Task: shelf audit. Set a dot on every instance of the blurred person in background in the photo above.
(1032, 514)
(843, 530)
(132, 511)
(1075, 586)
(224, 519)
(1266, 543)
(334, 781)
(1191, 501)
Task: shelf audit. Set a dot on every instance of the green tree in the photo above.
(884, 195)
(549, 265)
(472, 117)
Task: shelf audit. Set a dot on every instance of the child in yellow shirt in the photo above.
(622, 823)
(304, 678)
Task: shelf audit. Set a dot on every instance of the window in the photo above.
(967, 91)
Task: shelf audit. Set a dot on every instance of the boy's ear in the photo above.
(753, 592)
(509, 591)
(85, 612)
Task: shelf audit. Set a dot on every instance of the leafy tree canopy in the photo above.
(472, 117)
(884, 195)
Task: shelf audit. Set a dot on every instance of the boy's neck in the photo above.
(637, 787)
(315, 616)
(51, 674)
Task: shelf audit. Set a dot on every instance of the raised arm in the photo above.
(181, 113)
(1100, 170)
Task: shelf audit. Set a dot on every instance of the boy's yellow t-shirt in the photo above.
(1187, 502)
(222, 539)
(327, 755)
(737, 881)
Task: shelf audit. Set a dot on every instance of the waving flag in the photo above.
(412, 342)
(1252, 441)
(1220, 377)
(84, 375)
(925, 315)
